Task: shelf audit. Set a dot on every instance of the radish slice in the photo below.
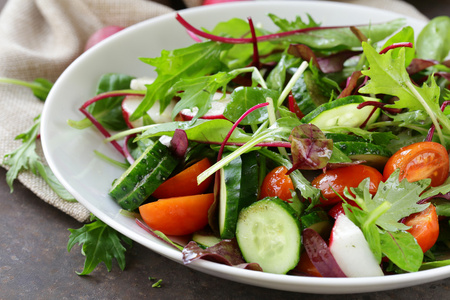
(351, 250)
(218, 106)
(130, 103)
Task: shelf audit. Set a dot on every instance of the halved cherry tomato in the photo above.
(185, 182)
(178, 215)
(277, 184)
(419, 161)
(334, 181)
(425, 227)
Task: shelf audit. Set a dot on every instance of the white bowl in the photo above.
(69, 152)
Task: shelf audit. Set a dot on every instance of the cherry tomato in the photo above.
(419, 161)
(334, 181)
(338, 209)
(277, 184)
(185, 182)
(425, 227)
(178, 215)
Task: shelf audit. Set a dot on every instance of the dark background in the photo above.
(35, 263)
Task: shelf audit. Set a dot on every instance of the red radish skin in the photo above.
(101, 34)
(351, 250)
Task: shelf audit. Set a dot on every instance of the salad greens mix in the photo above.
(312, 150)
(318, 151)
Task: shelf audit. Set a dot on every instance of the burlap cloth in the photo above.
(40, 38)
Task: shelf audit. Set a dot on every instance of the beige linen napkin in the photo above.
(40, 38)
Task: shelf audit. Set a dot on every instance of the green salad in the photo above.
(310, 150)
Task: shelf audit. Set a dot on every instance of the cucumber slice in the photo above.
(268, 233)
(205, 238)
(342, 112)
(230, 182)
(238, 189)
(373, 155)
(142, 178)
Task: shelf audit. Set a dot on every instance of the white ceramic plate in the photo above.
(70, 152)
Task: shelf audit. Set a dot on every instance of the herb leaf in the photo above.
(402, 249)
(433, 41)
(196, 60)
(403, 195)
(101, 243)
(24, 157)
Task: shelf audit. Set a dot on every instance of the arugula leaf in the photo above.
(26, 158)
(196, 60)
(23, 157)
(101, 243)
(40, 86)
(198, 92)
(298, 23)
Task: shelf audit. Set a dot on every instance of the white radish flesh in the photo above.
(218, 106)
(351, 250)
(130, 103)
(139, 84)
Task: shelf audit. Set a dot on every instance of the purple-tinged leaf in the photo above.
(335, 63)
(418, 65)
(310, 149)
(225, 252)
(304, 52)
(179, 143)
(352, 83)
(320, 255)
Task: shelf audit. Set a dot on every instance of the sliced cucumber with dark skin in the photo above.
(373, 155)
(342, 112)
(230, 182)
(142, 178)
(238, 189)
(268, 233)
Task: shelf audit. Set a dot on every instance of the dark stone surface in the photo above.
(35, 263)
